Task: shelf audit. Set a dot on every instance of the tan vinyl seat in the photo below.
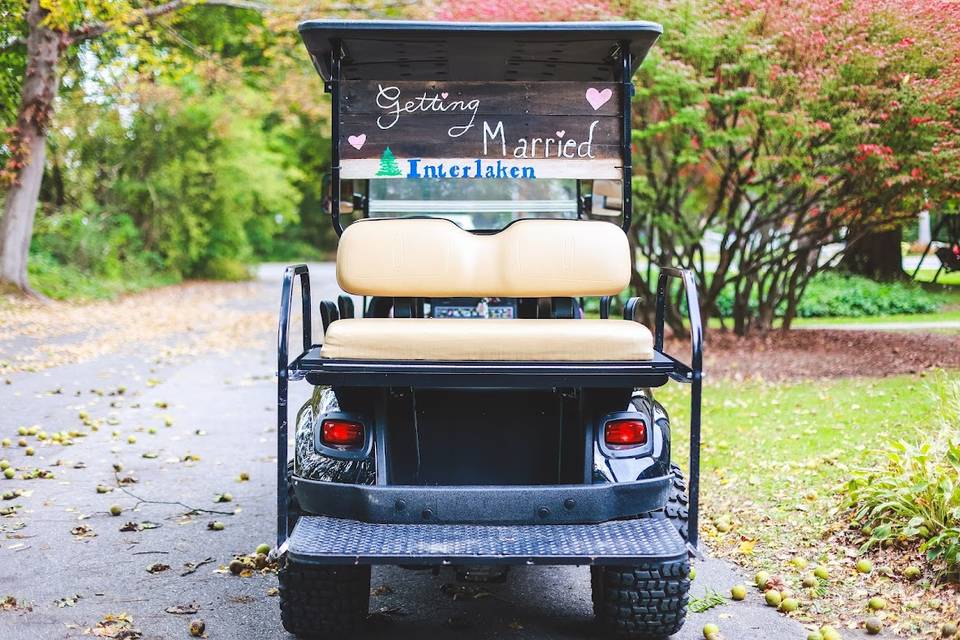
(487, 340)
(433, 257)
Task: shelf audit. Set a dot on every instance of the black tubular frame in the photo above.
(692, 374)
(626, 141)
(283, 378)
(333, 88)
(520, 375)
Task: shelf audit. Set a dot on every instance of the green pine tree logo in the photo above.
(388, 165)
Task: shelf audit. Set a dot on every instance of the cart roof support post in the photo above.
(627, 98)
(333, 88)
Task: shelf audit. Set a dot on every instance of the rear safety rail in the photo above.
(691, 374)
(290, 274)
(650, 373)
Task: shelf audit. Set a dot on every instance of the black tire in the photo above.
(293, 505)
(646, 601)
(319, 602)
(677, 507)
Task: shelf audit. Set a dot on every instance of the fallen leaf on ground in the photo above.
(116, 626)
(68, 601)
(157, 567)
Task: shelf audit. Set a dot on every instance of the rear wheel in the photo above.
(677, 508)
(320, 602)
(648, 600)
(293, 505)
(643, 601)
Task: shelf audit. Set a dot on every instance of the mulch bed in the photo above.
(822, 353)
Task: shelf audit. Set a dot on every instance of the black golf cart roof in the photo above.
(462, 51)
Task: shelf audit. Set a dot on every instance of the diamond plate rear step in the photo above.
(324, 540)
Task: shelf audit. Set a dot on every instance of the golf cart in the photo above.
(464, 410)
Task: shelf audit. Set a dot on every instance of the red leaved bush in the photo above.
(766, 130)
(519, 11)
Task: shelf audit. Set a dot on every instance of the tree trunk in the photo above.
(876, 255)
(28, 144)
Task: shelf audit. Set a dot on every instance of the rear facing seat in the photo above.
(432, 257)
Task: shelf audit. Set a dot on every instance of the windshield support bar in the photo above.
(333, 88)
(627, 80)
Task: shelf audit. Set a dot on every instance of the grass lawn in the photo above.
(775, 459)
(926, 275)
(938, 316)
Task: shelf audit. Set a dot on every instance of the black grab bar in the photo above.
(283, 372)
(691, 374)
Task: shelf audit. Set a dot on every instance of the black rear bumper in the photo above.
(505, 505)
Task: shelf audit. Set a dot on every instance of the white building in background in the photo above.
(923, 233)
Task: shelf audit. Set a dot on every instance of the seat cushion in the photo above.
(529, 258)
(487, 340)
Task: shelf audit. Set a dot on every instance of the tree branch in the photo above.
(97, 29)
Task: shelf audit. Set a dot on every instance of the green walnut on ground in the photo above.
(773, 598)
(197, 628)
(829, 633)
(912, 572)
(789, 605)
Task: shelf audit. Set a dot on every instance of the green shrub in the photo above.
(837, 294)
(66, 282)
(832, 294)
(81, 255)
(913, 493)
(229, 269)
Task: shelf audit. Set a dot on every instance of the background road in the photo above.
(202, 416)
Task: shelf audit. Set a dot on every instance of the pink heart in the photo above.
(444, 95)
(561, 133)
(357, 141)
(598, 98)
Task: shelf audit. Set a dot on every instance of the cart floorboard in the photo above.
(324, 540)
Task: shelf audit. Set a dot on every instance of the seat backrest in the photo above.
(433, 257)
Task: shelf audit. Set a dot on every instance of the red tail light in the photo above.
(625, 433)
(343, 434)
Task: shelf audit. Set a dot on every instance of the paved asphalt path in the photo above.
(222, 411)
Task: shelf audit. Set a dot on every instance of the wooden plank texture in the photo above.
(606, 169)
(495, 98)
(386, 125)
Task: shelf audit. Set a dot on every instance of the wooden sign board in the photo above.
(407, 129)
